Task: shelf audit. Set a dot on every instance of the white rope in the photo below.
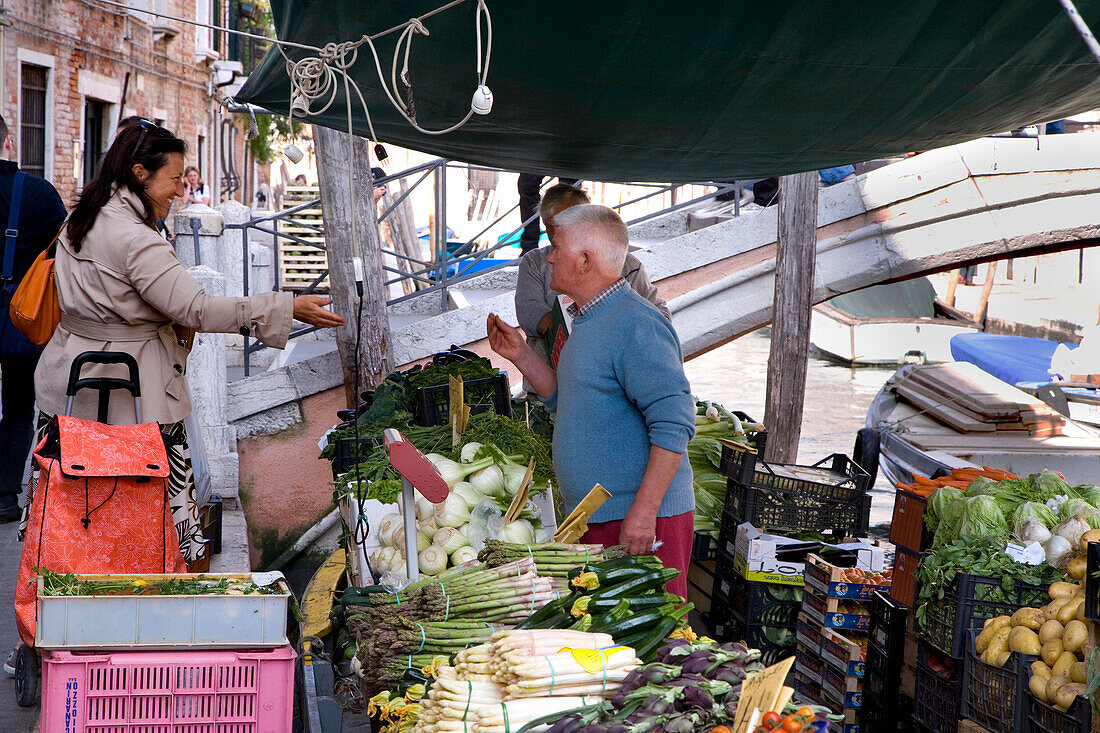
(1082, 28)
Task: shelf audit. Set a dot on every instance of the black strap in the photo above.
(11, 234)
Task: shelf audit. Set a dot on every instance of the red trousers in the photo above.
(675, 532)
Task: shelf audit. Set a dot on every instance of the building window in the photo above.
(95, 129)
(32, 120)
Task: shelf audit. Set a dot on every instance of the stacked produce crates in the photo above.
(757, 591)
(174, 663)
(832, 637)
(885, 663)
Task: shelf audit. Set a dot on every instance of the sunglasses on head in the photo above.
(148, 127)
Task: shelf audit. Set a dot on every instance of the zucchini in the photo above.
(639, 621)
(598, 577)
(636, 586)
(645, 648)
(550, 609)
(626, 561)
(637, 603)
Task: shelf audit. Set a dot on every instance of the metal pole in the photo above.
(439, 179)
(244, 273)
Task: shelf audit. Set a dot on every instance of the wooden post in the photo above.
(403, 232)
(794, 280)
(983, 299)
(338, 205)
(952, 284)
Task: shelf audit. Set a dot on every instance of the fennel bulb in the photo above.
(453, 512)
(520, 532)
(469, 451)
(423, 539)
(467, 491)
(489, 481)
(450, 539)
(463, 555)
(432, 560)
(452, 471)
(386, 528)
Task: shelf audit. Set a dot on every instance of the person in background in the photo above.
(300, 180)
(624, 410)
(122, 288)
(535, 298)
(529, 197)
(40, 216)
(194, 190)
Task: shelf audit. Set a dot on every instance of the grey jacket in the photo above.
(534, 298)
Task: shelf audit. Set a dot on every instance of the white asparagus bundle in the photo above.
(553, 668)
(544, 641)
(521, 712)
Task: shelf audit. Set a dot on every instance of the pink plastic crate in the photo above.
(168, 692)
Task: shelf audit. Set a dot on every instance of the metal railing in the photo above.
(449, 264)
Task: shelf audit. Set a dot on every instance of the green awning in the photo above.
(693, 91)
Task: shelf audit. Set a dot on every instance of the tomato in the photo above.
(792, 724)
(771, 720)
(760, 729)
(719, 729)
(807, 713)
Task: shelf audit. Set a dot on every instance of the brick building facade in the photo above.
(73, 68)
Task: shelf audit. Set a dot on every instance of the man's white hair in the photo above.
(599, 231)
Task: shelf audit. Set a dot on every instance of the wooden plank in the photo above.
(943, 412)
(318, 596)
(1009, 443)
(932, 396)
(975, 389)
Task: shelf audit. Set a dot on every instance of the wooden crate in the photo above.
(301, 264)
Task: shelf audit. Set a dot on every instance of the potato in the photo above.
(1062, 667)
(1077, 567)
(1080, 615)
(1061, 589)
(1078, 672)
(1067, 612)
(1039, 668)
(1053, 685)
(1032, 618)
(1022, 639)
(1093, 535)
(999, 622)
(1002, 658)
(1075, 636)
(1050, 629)
(1051, 651)
(1066, 695)
(981, 643)
(999, 642)
(1038, 687)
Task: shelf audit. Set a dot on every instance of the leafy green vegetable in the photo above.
(986, 557)
(937, 505)
(945, 532)
(437, 374)
(1088, 492)
(1073, 507)
(1049, 483)
(1033, 509)
(981, 517)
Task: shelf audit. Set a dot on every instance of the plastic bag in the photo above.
(200, 469)
(485, 522)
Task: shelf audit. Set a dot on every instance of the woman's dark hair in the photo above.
(137, 141)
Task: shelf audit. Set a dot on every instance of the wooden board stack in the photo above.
(965, 398)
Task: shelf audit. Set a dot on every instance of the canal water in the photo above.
(837, 398)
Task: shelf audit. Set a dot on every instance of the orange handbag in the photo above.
(34, 308)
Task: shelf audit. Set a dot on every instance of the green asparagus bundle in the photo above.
(552, 559)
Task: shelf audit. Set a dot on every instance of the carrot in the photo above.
(919, 480)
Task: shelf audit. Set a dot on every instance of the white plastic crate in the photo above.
(162, 622)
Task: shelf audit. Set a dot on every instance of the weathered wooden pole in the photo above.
(794, 279)
(338, 205)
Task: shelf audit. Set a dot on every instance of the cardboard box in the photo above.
(755, 556)
(826, 612)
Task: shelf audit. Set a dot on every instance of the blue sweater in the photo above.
(621, 389)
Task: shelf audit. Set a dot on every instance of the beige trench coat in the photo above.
(122, 292)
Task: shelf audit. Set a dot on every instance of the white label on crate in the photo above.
(265, 579)
(323, 442)
(1030, 554)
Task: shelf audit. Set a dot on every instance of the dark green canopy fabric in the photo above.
(692, 91)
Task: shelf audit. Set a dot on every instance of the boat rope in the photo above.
(1082, 28)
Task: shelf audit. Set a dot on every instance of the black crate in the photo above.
(835, 478)
(769, 604)
(881, 691)
(774, 512)
(210, 518)
(937, 697)
(482, 395)
(1092, 582)
(704, 547)
(349, 452)
(993, 697)
(1043, 718)
(888, 622)
(773, 647)
(968, 602)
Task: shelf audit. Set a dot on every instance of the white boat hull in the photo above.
(883, 341)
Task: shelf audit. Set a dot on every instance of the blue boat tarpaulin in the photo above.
(1012, 359)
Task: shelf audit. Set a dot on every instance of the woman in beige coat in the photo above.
(121, 288)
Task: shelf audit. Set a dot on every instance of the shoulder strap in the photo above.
(12, 232)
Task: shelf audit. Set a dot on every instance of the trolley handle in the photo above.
(104, 385)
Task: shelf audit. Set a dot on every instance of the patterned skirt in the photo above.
(181, 488)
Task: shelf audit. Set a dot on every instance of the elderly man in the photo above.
(624, 407)
(534, 296)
